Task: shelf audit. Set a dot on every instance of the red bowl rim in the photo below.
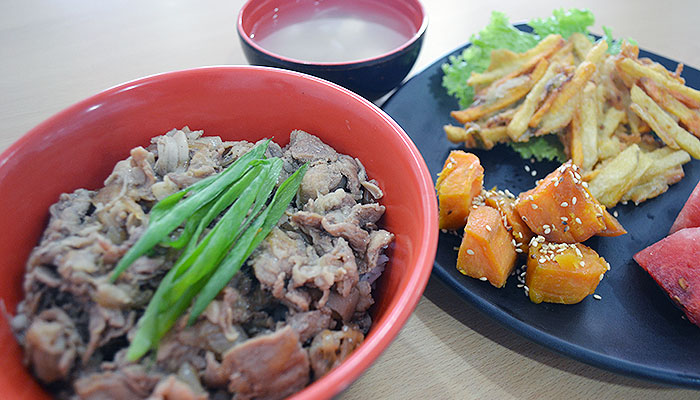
(359, 361)
(354, 63)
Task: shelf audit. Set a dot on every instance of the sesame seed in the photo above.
(547, 231)
(524, 218)
(573, 200)
(534, 206)
(520, 285)
(564, 204)
(564, 219)
(518, 250)
(527, 168)
(542, 260)
(443, 230)
(488, 228)
(597, 296)
(584, 184)
(513, 242)
(615, 214)
(533, 173)
(470, 252)
(578, 220)
(600, 278)
(483, 278)
(583, 264)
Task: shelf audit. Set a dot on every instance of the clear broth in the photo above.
(335, 34)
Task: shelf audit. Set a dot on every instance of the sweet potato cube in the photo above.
(514, 223)
(613, 227)
(562, 272)
(460, 180)
(561, 208)
(487, 251)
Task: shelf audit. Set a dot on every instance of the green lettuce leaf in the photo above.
(564, 23)
(540, 148)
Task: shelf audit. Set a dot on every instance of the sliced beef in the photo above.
(132, 382)
(330, 348)
(171, 388)
(308, 324)
(304, 148)
(52, 345)
(270, 366)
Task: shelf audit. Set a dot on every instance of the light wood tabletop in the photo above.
(55, 53)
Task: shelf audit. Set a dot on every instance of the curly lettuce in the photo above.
(501, 34)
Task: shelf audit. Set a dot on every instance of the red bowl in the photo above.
(79, 147)
(371, 77)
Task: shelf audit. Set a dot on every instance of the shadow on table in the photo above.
(444, 298)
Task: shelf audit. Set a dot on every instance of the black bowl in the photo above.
(370, 77)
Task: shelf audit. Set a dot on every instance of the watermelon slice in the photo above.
(689, 217)
(674, 263)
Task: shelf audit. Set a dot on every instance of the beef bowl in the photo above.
(313, 299)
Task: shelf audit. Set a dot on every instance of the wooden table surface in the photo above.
(55, 53)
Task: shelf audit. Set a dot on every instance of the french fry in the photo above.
(503, 62)
(619, 175)
(596, 53)
(458, 134)
(664, 159)
(492, 136)
(613, 117)
(582, 45)
(589, 127)
(689, 118)
(655, 186)
(565, 55)
(629, 50)
(574, 137)
(609, 147)
(684, 93)
(475, 136)
(559, 114)
(512, 64)
(503, 95)
(519, 124)
(663, 125)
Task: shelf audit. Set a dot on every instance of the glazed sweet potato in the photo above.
(561, 208)
(613, 227)
(562, 272)
(487, 251)
(514, 223)
(459, 182)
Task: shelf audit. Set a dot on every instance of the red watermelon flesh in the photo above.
(674, 263)
(689, 217)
